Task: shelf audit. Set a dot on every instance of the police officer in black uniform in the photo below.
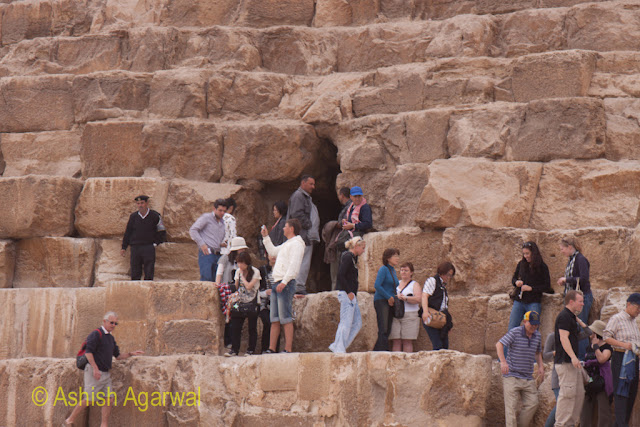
(144, 232)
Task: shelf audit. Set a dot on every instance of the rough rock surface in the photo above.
(7, 262)
(353, 389)
(45, 206)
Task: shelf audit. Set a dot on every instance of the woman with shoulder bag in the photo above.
(576, 276)
(599, 390)
(405, 330)
(435, 296)
(385, 285)
(530, 279)
(246, 306)
(347, 286)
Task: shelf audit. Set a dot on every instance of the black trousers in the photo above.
(142, 256)
(623, 405)
(385, 318)
(236, 332)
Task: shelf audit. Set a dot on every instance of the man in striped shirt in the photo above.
(623, 334)
(525, 348)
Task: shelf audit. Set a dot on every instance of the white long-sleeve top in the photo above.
(288, 258)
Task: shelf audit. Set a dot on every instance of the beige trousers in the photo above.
(523, 392)
(571, 395)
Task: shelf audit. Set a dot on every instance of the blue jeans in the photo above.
(584, 316)
(519, 309)
(282, 303)
(350, 323)
(551, 420)
(206, 264)
(438, 342)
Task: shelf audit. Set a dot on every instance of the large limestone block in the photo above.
(331, 13)
(112, 149)
(21, 20)
(552, 75)
(445, 387)
(106, 53)
(46, 153)
(105, 204)
(324, 309)
(167, 317)
(585, 26)
(48, 322)
(463, 35)
(174, 261)
(269, 13)
(603, 192)
(560, 128)
(107, 95)
(615, 75)
(54, 262)
(183, 149)
(622, 128)
(45, 206)
(424, 249)
(531, 31)
(274, 151)
(7, 263)
(31, 104)
(179, 93)
(405, 190)
(478, 192)
(185, 13)
(485, 131)
(467, 314)
(188, 200)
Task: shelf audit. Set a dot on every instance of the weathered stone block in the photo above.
(277, 151)
(532, 31)
(324, 309)
(109, 95)
(278, 376)
(552, 75)
(54, 262)
(198, 144)
(46, 153)
(560, 128)
(105, 204)
(585, 29)
(406, 188)
(72, 53)
(622, 129)
(30, 104)
(112, 149)
(269, 13)
(604, 192)
(176, 94)
(7, 263)
(453, 196)
(25, 21)
(45, 208)
(330, 13)
(244, 93)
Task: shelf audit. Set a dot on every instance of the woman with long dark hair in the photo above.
(280, 214)
(246, 278)
(530, 280)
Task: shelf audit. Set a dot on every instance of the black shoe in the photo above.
(230, 353)
(248, 353)
(268, 351)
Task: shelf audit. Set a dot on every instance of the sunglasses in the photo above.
(527, 245)
(114, 323)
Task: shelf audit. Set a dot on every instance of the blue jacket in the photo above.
(365, 217)
(386, 283)
(627, 374)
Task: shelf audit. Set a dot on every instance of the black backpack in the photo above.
(81, 358)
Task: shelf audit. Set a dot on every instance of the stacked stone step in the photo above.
(471, 126)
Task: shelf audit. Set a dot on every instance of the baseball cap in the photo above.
(532, 317)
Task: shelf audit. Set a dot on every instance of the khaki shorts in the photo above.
(92, 385)
(406, 328)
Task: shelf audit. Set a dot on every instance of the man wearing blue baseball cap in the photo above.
(359, 219)
(623, 335)
(525, 347)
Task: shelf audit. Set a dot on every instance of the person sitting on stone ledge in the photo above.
(350, 318)
(435, 296)
(525, 348)
(247, 278)
(288, 260)
(101, 348)
(144, 232)
(385, 286)
(404, 331)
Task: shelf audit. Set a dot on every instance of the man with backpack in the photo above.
(99, 349)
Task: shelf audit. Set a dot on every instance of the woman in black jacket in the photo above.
(530, 279)
(347, 286)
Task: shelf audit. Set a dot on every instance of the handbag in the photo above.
(239, 309)
(398, 307)
(438, 319)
